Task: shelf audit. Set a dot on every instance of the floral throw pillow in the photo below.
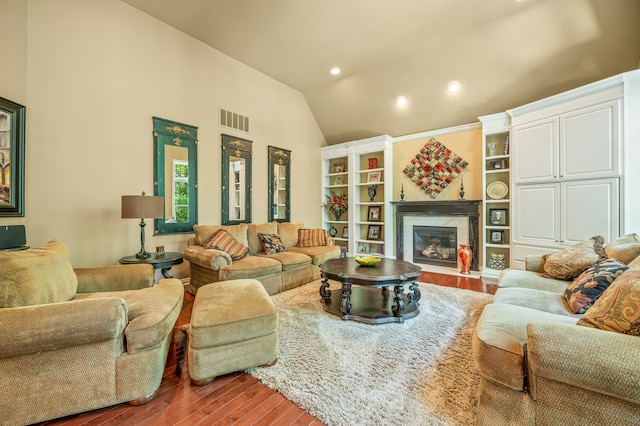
(272, 243)
(618, 308)
(311, 237)
(225, 242)
(585, 289)
(569, 263)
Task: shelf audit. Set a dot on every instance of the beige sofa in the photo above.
(538, 366)
(277, 272)
(78, 340)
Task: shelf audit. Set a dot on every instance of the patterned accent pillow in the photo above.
(569, 263)
(311, 237)
(584, 291)
(225, 242)
(618, 308)
(271, 243)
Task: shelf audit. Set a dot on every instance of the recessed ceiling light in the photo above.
(453, 86)
(401, 101)
(335, 70)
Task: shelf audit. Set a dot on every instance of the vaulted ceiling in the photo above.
(505, 53)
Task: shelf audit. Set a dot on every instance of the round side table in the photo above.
(164, 262)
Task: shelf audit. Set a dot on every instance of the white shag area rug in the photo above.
(420, 372)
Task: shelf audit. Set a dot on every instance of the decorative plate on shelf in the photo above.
(497, 190)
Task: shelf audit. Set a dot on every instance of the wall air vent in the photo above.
(233, 120)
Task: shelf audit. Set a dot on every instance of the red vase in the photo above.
(464, 255)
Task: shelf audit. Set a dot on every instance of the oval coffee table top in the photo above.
(388, 271)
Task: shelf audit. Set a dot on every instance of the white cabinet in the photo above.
(571, 166)
(566, 213)
(362, 170)
(581, 144)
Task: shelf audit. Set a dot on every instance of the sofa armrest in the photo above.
(37, 328)
(596, 360)
(534, 263)
(206, 257)
(114, 278)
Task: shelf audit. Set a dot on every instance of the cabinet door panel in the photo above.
(589, 208)
(535, 148)
(588, 147)
(537, 217)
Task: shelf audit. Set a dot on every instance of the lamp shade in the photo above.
(141, 206)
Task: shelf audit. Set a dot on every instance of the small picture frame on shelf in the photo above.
(338, 168)
(363, 248)
(497, 165)
(345, 232)
(497, 237)
(338, 180)
(373, 177)
(373, 214)
(498, 216)
(373, 233)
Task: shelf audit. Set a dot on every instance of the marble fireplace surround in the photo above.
(449, 211)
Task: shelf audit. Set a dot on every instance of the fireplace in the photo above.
(429, 232)
(435, 245)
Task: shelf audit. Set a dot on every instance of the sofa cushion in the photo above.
(255, 244)
(311, 237)
(528, 279)
(499, 338)
(271, 243)
(625, 248)
(250, 267)
(289, 260)
(152, 312)
(547, 301)
(569, 263)
(288, 232)
(585, 289)
(204, 233)
(225, 242)
(618, 308)
(37, 276)
(319, 254)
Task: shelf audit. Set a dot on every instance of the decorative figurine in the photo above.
(402, 192)
(461, 189)
(372, 192)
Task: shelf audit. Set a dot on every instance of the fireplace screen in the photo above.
(435, 245)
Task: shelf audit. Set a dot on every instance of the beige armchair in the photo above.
(77, 340)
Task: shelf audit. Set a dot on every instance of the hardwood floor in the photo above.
(233, 399)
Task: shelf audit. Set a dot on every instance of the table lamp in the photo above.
(141, 206)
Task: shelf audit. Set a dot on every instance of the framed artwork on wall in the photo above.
(12, 136)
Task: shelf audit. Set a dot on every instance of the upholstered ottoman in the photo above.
(233, 327)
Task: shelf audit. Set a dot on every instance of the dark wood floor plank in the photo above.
(234, 399)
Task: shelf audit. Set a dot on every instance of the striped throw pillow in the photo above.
(311, 237)
(223, 241)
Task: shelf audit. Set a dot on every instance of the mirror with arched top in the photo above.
(236, 180)
(175, 168)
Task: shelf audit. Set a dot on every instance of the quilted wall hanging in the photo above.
(434, 167)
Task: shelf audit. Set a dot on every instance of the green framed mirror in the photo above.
(236, 180)
(279, 175)
(176, 173)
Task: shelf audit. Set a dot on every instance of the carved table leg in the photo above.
(398, 308)
(325, 293)
(414, 294)
(345, 307)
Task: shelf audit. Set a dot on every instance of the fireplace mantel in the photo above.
(467, 208)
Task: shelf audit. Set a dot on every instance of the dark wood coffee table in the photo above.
(369, 301)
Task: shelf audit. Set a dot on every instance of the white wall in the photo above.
(96, 72)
